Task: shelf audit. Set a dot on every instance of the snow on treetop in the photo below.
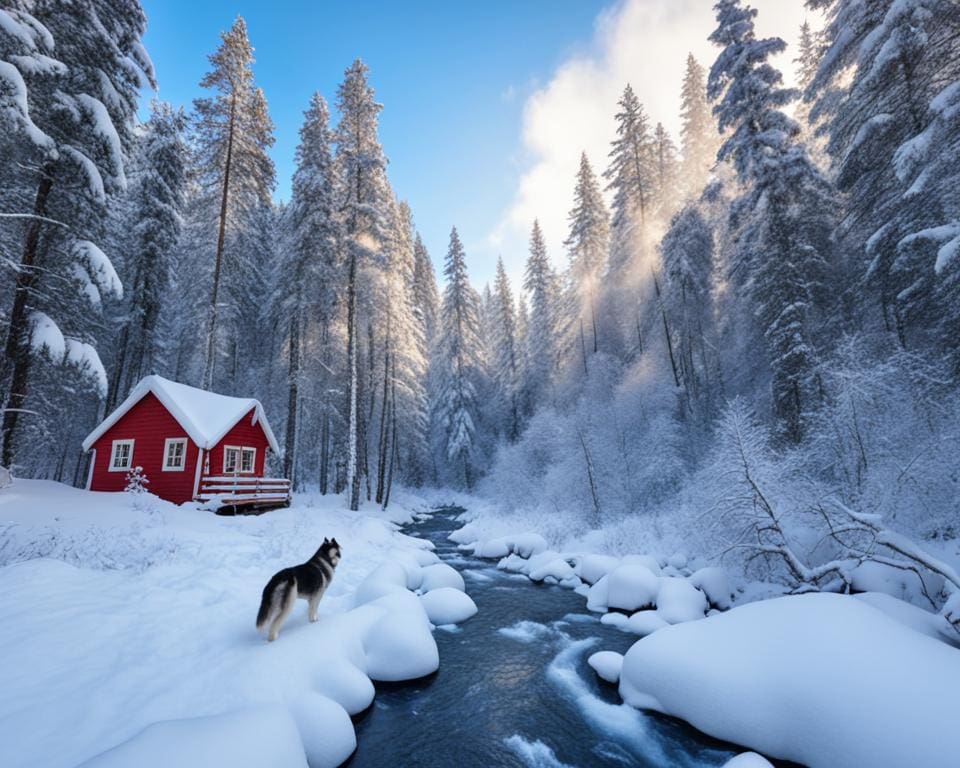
(205, 416)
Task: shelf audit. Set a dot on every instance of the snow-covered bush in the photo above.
(137, 481)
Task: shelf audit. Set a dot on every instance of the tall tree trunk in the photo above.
(393, 440)
(324, 452)
(583, 347)
(666, 331)
(209, 364)
(384, 430)
(17, 348)
(353, 478)
(293, 400)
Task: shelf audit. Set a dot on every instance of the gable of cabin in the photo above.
(150, 427)
(244, 435)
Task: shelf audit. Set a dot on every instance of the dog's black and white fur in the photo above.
(308, 581)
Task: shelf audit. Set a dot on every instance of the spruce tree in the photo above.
(698, 133)
(783, 217)
(233, 133)
(587, 245)
(544, 336)
(461, 355)
(69, 127)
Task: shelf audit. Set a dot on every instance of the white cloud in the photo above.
(643, 42)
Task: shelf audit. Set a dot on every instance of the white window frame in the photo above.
(253, 460)
(167, 467)
(236, 467)
(112, 467)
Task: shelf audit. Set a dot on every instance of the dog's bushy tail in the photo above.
(266, 604)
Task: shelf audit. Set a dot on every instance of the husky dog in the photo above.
(308, 581)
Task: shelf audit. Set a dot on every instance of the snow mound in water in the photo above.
(248, 738)
(832, 683)
(399, 645)
(556, 568)
(441, 575)
(607, 665)
(748, 760)
(644, 623)
(678, 601)
(325, 730)
(632, 587)
(523, 544)
(346, 685)
(447, 605)
(592, 568)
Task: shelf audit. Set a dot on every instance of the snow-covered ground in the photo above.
(825, 680)
(128, 635)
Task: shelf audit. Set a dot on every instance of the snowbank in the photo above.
(142, 648)
(819, 679)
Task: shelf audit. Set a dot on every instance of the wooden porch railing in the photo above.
(244, 490)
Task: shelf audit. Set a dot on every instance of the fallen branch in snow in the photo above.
(34, 216)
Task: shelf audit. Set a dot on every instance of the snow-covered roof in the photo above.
(205, 416)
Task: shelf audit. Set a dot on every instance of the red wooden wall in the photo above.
(149, 424)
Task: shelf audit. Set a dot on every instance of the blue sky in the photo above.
(452, 77)
(487, 105)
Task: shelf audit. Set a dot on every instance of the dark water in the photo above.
(497, 701)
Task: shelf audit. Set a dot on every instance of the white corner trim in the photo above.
(93, 463)
(196, 476)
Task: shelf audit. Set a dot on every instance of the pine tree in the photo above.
(306, 276)
(154, 223)
(698, 134)
(363, 200)
(667, 193)
(233, 133)
(544, 337)
(587, 245)
(632, 177)
(68, 128)
(883, 64)
(783, 217)
(461, 354)
(687, 256)
(506, 357)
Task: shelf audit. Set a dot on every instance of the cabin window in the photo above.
(231, 459)
(174, 454)
(247, 459)
(121, 458)
(237, 459)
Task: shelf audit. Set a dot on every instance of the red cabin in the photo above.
(191, 445)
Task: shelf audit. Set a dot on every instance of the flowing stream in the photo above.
(514, 688)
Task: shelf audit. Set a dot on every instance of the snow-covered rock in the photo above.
(647, 561)
(523, 544)
(607, 665)
(598, 594)
(644, 623)
(385, 579)
(346, 685)
(748, 760)
(446, 605)
(632, 587)
(677, 560)
(592, 568)
(326, 730)
(400, 645)
(557, 568)
(441, 575)
(678, 601)
(832, 683)
(713, 582)
(615, 619)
